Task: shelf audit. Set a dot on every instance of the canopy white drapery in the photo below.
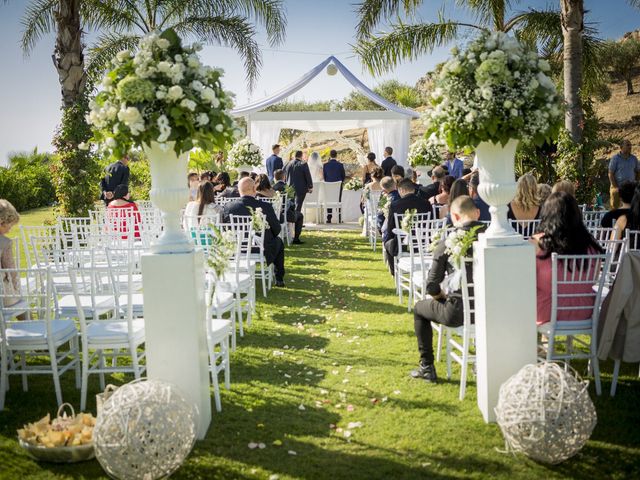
(384, 128)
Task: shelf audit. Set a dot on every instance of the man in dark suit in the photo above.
(388, 163)
(390, 190)
(273, 246)
(274, 162)
(333, 171)
(115, 174)
(233, 192)
(437, 175)
(299, 177)
(293, 216)
(408, 200)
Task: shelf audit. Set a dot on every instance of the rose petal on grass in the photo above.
(347, 433)
(292, 452)
(261, 446)
(350, 408)
(301, 407)
(252, 445)
(353, 425)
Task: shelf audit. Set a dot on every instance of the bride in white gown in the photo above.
(315, 167)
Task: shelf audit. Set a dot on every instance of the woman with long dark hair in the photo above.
(223, 184)
(458, 189)
(561, 231)
(203, 207)
(631, 219)
(263, 187)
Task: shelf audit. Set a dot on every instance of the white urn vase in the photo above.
(497, 184)
(170, 193)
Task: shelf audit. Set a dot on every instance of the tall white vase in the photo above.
(496, 165)
(170, 193)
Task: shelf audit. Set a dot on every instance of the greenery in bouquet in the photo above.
(222, 247)
(244, 152)
(407, 220)
(290, 191)
(437, 238)
(354, 184)
(161, 93)
(494, 91)
(425, 152)
(258, 222)
(383, 205)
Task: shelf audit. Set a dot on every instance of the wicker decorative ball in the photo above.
(545, 412)
(144, 431)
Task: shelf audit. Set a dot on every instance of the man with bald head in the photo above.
(273, 246)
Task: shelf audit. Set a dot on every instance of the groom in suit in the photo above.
(389, 162)
(299, 177)
(333, 171)
(274, 162)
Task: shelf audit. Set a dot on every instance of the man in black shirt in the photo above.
(388, 163)
(437, 175)
(115, 174)
(625, 191)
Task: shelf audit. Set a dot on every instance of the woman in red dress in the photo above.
(127, 212)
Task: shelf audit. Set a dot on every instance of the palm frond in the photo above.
(235, 32)
(634, 3)
(105, 49)
(37, 21)
(269, 13)
(384, 51)
(540, 28)
(109, 15)
(372, 12)
(490, 13)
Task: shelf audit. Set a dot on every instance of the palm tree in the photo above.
(123, 22)
(572, 19)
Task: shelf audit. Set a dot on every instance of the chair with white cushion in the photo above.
(331, 199)
(371, 217)
(576, 286)
(313, 201)
(29, 328)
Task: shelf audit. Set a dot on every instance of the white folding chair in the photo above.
(592, 218)
(632, 237)
(218, 331)
(526, 228)
(75, 231)
(460, 351)
(602, 235)
(265, 272)
(313, 201)
(42, 231)
(371, 217)
(144, 204)
(39, 333)
(330, 199)
(576, 286)
(407, 260)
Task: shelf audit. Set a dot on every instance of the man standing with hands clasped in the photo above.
(274, 162)
(115, 174)
(299, 177)
(623, 167)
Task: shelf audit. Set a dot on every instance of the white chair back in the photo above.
(331, 192)
(526, 228)
(602, 235)
(632, 238)
(592, 218)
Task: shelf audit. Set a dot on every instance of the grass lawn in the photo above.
(335, 347)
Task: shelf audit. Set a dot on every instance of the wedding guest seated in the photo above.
(561, 231)
(222, 185)
(369, 168)
(544, 190)
(374, 184)
(263, 187)
(564, 186)
(408, 200)
(9, 218)
(458, 189)
(122, 204)
(442, 198)
(397, 173)
(279, 184)
(625, 191)
(203, 209)
(474, 182)
(446, 309)
(630, 220)
(194, 182)
(273, 246)
(388, 190)
(233, 192)
(525, 205)
(433, 189)
(206, 176)
(412, 175)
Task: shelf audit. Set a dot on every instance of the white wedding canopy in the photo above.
(390, 127)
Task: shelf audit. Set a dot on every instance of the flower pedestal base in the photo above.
(176, 337)
(505, 315)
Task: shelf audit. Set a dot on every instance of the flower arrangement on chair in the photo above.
(354, 184)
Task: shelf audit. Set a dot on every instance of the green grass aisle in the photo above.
(320, 382)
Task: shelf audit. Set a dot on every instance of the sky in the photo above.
(30, 95)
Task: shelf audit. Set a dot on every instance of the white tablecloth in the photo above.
(351, 205)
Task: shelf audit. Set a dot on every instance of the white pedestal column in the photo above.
(505, 316)
(176, 338)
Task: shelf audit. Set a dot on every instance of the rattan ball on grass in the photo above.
(545, 412)
(145, 431)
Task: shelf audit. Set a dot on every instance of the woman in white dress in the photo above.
(204, 207)
(315, 167)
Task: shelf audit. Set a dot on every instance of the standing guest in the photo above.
(625, 191)
(563, 232)
(367, 171)
(333, 171)
(623, 167)
(481, 205)
(437, 176)
(274, 162)
(263, 187)
(408, 200)
(293, 217)
(203, 208)
(206, 176)
(122, 203)
(115, 174)
(458, 189)
(525, 205)
(388, 163)
(544, 190)
(397, 172)
(273, 246)
(315, 167)
(454, 165)
(631, 219)
(9, 217)
(445, 309)
(374, 184)
(299, 177)
(193, 181)
(390, 190)
(564, 186)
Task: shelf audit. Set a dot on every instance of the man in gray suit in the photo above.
(299, 177)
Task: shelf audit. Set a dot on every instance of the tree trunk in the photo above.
(68, 58)
(629, 80)
(572, 12)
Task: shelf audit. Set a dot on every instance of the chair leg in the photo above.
(3, 378)
(76, 359)
(56, 376)
(85, 381)
(214, 380)
(439, 344)
(23, 367)
(227, 363)
(614, 380)
(464, 366)
(263, 277)
(448, 350)
(101, 367)
(596, 368)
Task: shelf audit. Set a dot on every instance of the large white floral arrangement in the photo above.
(425, 152)
(161, 93)
(494, 91)
(244, 153)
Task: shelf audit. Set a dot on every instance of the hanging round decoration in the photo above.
(332, 69)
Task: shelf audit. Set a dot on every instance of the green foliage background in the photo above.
(27, 182)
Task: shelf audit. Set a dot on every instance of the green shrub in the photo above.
(26, 182)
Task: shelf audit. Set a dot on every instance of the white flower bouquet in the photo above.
(222, 247)
(407, 220)
(244, 153)
(494, 91)
(161, 93)
(354, 184)
(383, 205)
(425, 152)
(457, 244)
(258, 221)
